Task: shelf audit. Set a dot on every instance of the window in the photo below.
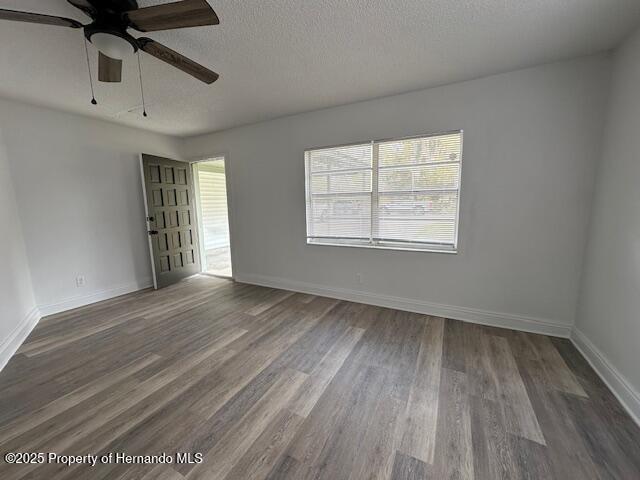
(401, 194)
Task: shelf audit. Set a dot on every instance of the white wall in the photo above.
(532, 138)
(608, 322)
(17, 303)
(77, 184)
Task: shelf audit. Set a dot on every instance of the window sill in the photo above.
(385, 247)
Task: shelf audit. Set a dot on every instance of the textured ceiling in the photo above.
(278, 57)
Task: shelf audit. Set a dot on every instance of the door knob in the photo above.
(152, 232)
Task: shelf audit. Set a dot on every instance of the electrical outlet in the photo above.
(359, 278)
(80, 281)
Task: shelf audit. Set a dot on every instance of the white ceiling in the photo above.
(278, 57)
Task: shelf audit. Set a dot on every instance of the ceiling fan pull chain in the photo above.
(86, 51)
(144, 109)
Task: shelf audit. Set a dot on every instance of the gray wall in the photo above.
(609, 309)
(16, 297)
(77, 184)
(532, 139)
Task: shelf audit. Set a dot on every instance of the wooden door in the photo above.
(171, 219)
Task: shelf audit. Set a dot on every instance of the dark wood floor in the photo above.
(271, 384)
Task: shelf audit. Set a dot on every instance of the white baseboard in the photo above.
(617, 383)
(82, 300)
(18, 336)
(494, 319)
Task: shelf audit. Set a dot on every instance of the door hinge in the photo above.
(152, 232)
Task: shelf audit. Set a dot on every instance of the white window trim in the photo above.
(377, 244)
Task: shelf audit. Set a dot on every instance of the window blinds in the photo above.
(395, 193)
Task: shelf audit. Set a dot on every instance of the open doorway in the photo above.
(213, 216)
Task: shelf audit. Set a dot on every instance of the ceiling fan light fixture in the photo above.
(108, 31)
(111, 45)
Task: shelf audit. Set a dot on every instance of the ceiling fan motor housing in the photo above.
(108, 31)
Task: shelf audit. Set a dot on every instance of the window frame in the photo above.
(407, 246)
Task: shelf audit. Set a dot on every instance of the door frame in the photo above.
(146, 223)
(230, 207)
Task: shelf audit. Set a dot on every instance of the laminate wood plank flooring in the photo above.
(270, 384)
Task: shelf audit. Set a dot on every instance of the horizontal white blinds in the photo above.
(213, 203)
(419, 180)
(399, 192)
(339, 192)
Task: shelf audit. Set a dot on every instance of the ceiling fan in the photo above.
(108, 31)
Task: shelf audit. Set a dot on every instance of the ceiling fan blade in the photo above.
(179, 61)
(109, 69)
(84, 5)
(186, 13)
(17, 16)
